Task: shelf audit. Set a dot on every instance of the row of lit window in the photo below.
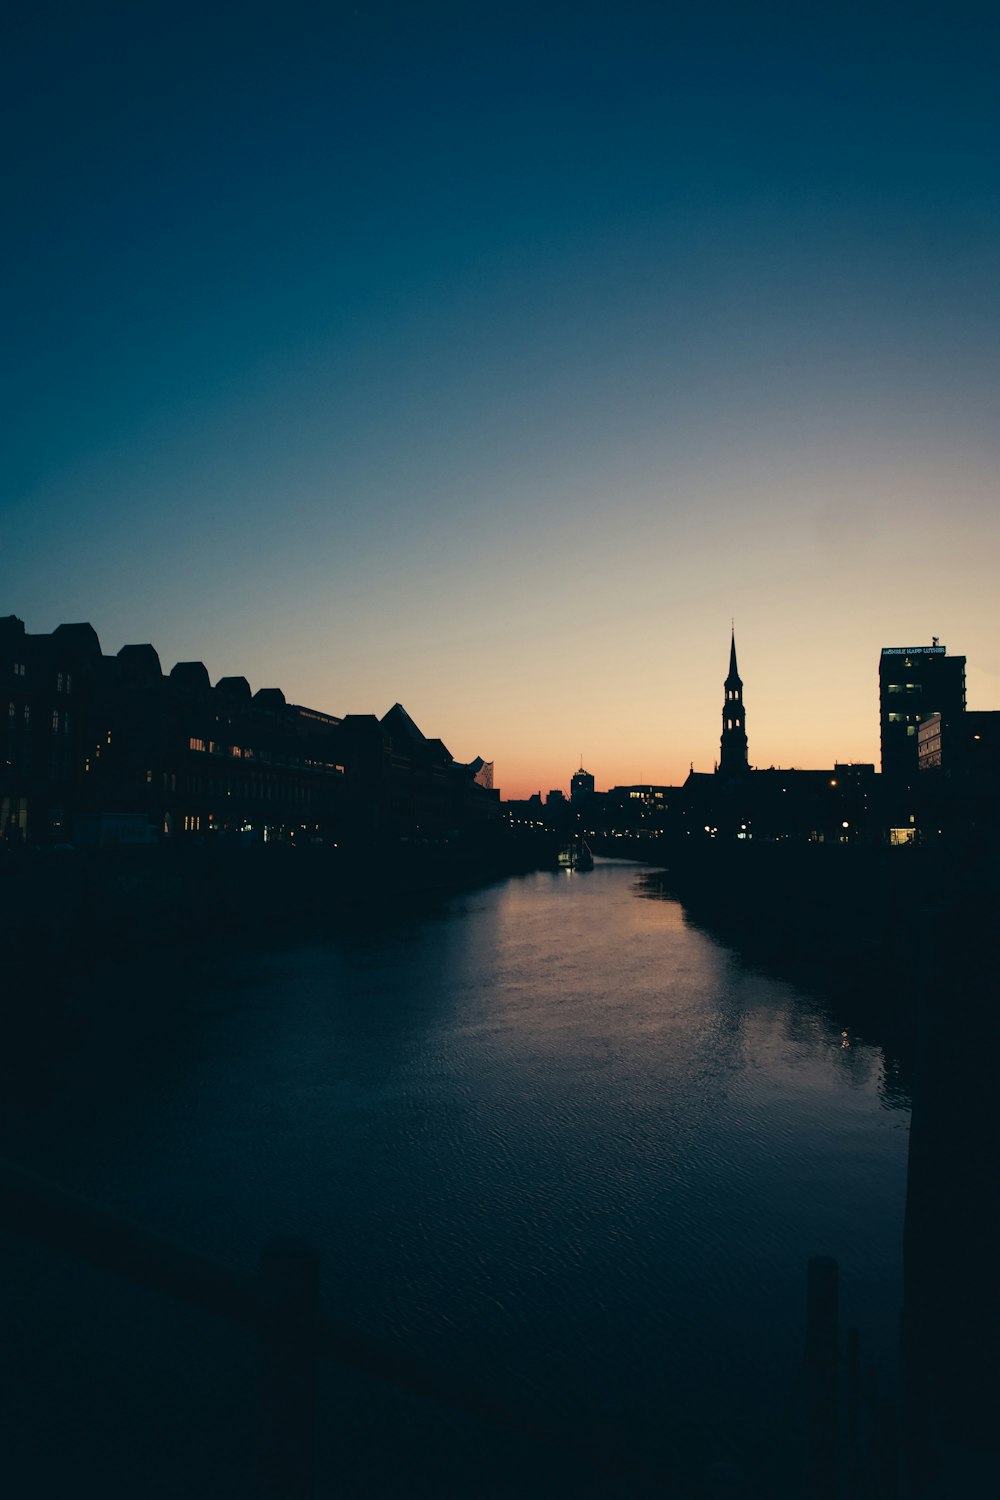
(58, 720)
(216, 747)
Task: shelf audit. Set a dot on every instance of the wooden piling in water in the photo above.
(821, 1379)
(853, 1414)
(289, 1282)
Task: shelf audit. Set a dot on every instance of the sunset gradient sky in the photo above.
(490, 359)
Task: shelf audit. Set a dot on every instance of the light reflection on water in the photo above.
(552, 1140)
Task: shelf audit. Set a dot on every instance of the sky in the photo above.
(493, 359)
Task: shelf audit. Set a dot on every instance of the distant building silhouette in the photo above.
(913, 683)
(958, 786)
(581, 786)
(838, 805)
(483, 771)
(642, 809)
(733, 757)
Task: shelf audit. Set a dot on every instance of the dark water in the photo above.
(551, 1140)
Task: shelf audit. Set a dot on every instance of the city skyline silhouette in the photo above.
(490, 364)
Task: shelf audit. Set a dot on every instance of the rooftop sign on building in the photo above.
(914, 650)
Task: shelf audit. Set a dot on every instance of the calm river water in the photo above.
(552, 1140)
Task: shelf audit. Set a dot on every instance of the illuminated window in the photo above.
(195, 744)
(895, 687)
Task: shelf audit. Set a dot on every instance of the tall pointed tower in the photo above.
(733, 760)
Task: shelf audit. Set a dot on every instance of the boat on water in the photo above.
(576, 855)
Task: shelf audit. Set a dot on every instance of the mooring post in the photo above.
(871, 1411)
(289, 1283)
(821, 1378)
(888, 1452)
(853, 1414)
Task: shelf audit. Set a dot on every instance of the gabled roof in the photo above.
(80, 638)
(361, 724)
(398, 723)
(140, 665)
(233, 689)
(191, 675)
(271, 700)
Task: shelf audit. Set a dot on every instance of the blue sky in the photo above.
(490, 360)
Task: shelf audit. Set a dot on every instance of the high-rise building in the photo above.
(733, 758)
(581, 785)
(913, 683)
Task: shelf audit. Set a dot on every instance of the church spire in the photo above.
(733, 759)
(733, 680)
